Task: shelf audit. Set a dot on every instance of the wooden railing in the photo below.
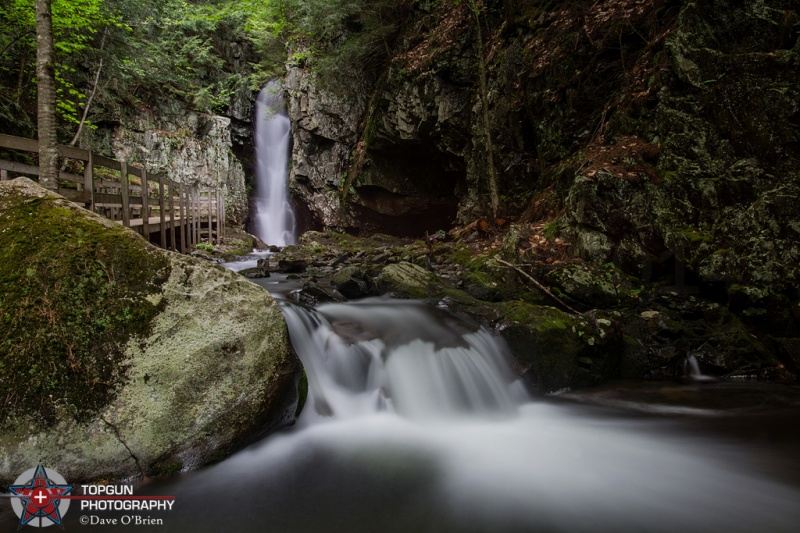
(151, 204)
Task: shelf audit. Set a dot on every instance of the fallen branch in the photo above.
(91, 96)
(540, 286)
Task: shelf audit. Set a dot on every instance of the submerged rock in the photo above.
(197, 358)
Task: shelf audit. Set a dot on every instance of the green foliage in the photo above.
(181, 48)
(339, 38)
(550, 230)
(76, 24)
(136, 49)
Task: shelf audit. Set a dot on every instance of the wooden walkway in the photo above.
(173, 215)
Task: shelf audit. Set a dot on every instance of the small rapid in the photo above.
(393, 355)
(414, 422)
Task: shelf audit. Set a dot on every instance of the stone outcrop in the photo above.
(190, 147)
(325, 127)
(722, 199)
(197, 358)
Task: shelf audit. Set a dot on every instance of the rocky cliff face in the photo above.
(190, 147)
(393, 155)
(325, 127)
(660, 136)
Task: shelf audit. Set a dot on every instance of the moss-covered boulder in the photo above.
(352, 283)
(119, 359)
(407, 280)
(559, 350)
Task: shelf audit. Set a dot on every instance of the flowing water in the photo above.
(415, 423)
(274, 215)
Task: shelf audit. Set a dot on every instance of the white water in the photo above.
(274, 215)
(392, 355)
(692, 370)
(411, 425)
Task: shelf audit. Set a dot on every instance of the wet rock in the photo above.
(659, 340)
(341, 259)
(559, 350)
(409, 281)
(312, 294)
(255, 272)
(353, 283)
(292, 266)
(585, 283)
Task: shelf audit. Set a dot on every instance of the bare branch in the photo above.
(540, 286)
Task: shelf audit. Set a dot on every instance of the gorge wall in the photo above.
(661, 136)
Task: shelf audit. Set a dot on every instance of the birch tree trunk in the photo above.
(46, 81)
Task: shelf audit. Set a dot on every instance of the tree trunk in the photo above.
(45, 74)
(487, 134)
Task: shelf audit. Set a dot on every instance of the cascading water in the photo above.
(398, 356)
(411, 425)
(274, 215)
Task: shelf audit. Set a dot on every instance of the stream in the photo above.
(414, 422)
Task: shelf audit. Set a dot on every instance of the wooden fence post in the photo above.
(88, 179)
(181, 204)
(190, 216)
(222, 199)
(172, 215)
(126, 214)
(161, 211)
(145, 206)
(210, 234)
(219, 219)
(196, 215)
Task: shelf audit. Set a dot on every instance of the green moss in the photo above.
(696, 236)
(461, 256)
(72, 292)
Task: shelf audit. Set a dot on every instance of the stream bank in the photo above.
(592, 325)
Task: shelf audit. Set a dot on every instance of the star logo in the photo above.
(39, 496)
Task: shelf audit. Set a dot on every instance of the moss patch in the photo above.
(73, 291)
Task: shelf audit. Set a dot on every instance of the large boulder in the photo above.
(118, 359)
(406, 280)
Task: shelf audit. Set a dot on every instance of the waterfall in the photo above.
(274, 215)
(387, 355)
(691, 369)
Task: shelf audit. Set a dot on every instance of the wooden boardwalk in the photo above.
(171, 214)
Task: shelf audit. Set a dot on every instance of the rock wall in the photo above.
(393, 155)
(191, 147)
(325, 127)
